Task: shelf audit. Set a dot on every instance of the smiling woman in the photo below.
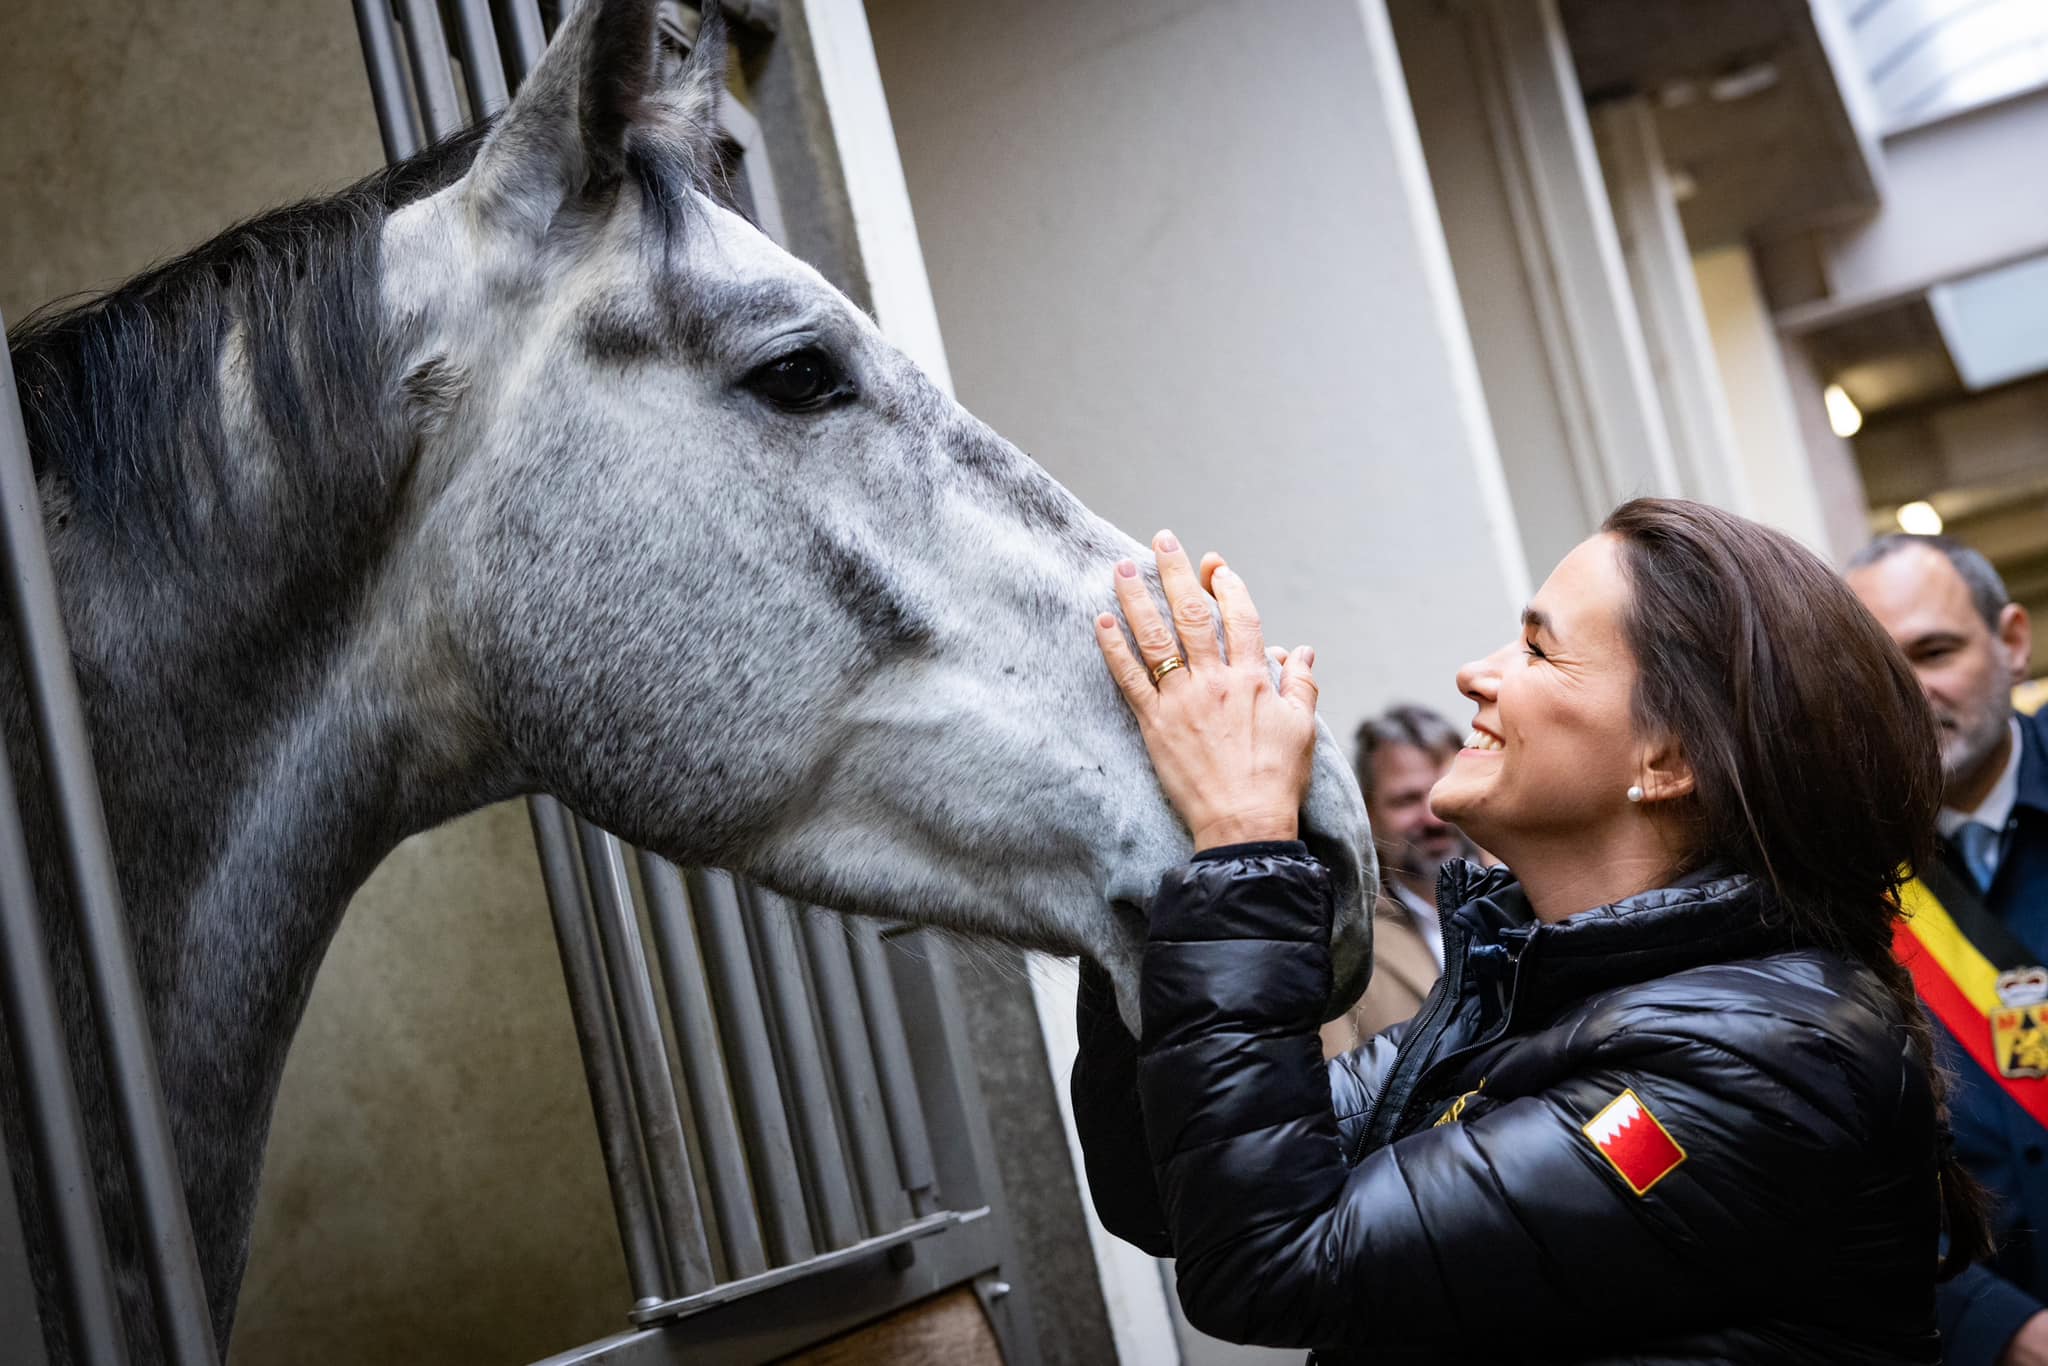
(1672, 1096)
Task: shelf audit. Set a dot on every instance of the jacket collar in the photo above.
(1713, 916)
(2033, 789)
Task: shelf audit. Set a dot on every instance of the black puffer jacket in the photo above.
(1470, 1194)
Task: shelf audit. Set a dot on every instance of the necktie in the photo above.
(1978, 844)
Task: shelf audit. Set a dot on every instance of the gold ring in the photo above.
(1165, 667)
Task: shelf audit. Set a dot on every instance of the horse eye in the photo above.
(801, 381)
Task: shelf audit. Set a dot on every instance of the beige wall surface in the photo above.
(433, 1192)
(1185, 255)
(130, 132)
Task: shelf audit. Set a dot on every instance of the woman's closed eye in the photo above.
(1533, 650)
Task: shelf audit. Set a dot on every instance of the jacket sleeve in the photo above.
(1105, 1094)
(1510, 1224)
(1104, 1088)
(1979, 1311)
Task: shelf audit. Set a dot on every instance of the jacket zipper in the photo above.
(1419, 1073)
(1428, 1032)
(1507, 1021)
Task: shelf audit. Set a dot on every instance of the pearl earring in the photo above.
(1635, 793)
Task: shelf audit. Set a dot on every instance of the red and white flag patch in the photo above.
(1634, 1143)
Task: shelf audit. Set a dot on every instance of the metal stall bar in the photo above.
(654, 1090)
(165, 1228)
(928, 991)
(689, 1007)
(598, 1040)
(853, 1066)
(395, 121)
(52, 1143)
(480, 62)
(828, 1182)
(750, 1063)
(521, 35)
(35, 1033)
(433, 80)
(892, 1064)
(56, 1125)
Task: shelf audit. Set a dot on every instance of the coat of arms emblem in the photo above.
(2019, 1027)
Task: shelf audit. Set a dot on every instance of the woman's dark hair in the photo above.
(1813, 752)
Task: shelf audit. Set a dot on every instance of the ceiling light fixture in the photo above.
(1743, 82)
(1843, 414)
(1920, 518)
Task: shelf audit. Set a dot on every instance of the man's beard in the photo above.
(1965, 750)
(1422, 867)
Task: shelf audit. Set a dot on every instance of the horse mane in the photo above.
(121, 392)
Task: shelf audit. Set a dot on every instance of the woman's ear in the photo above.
(1663, 772)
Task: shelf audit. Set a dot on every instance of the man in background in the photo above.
(1400, 755)
(1977, 936)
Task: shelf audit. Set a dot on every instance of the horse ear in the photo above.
(614, 73)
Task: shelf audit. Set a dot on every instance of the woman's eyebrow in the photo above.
(1534, 620)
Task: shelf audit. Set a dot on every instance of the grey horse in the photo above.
(524, 466)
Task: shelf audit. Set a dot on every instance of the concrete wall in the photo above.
(1185, 255)
(433, 1193)
(129, 132)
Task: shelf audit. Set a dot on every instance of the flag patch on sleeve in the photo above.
(1633, 1142)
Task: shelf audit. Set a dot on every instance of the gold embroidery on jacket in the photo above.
(1457, 1107)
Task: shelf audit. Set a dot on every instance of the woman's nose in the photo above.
(1480, 678)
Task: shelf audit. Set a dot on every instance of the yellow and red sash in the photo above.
(1990, 1010)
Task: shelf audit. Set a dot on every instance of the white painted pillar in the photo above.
(1667, 297)
(1539, 263)
(879, 201)
(1754, 374)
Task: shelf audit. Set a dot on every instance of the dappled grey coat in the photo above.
(1437, 1196)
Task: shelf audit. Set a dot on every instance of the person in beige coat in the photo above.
(1401, 753)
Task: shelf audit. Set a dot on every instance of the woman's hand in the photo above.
(1233, 751)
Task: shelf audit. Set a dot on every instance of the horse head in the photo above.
(728, 574)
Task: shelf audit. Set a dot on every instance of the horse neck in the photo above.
(259, 749)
